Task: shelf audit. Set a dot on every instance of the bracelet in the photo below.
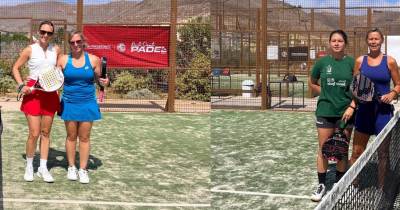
(393, 90)
(350, 106)
(20, 86)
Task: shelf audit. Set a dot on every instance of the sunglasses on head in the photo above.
(78, 42)
(43, 32)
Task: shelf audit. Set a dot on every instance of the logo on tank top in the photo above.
(329, 69)
(86, 67)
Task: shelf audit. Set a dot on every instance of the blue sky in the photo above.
(15, 2)
(349, 3)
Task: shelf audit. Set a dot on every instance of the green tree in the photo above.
(192, 38)
(193, 83)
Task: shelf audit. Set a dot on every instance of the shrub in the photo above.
(194, 83)
(125, 82)
(141, 94)
(7, 84)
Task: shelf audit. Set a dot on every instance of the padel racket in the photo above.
(363, 88)
(336, 148)
(103, 75)
(51, 79)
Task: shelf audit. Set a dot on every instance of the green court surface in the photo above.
(138, 161)
(263, 160)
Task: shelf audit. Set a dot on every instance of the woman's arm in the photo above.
(357, 65)
(96, 63)
(314, 85)
(22, 59)
(62, 61)
(394, 72)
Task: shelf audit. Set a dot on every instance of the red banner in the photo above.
(129, 46)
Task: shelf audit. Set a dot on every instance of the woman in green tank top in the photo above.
(334, 73)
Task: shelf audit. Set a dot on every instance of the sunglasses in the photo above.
(49, 33)
(78, 42)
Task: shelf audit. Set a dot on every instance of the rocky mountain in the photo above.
(115, 12)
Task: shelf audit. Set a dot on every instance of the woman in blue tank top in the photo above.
(372, 117)
(78, 102)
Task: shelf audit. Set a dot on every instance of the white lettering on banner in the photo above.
(144, 47)
(99, 47)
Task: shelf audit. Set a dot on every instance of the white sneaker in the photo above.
(72, 173)
(28, 176)
(83, 176)
(319, 193)
(45, 174)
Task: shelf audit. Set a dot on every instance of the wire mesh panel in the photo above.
(297, 34)
(193, 43)
(373, 181)
(129, 12)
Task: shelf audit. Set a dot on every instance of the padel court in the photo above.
(137, 161)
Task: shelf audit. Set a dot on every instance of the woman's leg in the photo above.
(84, 143)
(341, 166)
(323, 135)
(360, 141)
(84, 150)
(322, 163)
(45, 128)
(34, 132)
(70, 142)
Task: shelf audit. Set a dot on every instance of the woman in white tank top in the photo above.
(38, 106)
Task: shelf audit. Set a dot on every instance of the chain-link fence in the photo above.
(181, 84)
(281, 41)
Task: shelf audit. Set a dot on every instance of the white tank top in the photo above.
(40, 58)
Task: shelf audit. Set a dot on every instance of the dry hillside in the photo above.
(124, 12)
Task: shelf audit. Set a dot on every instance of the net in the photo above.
(373, 181)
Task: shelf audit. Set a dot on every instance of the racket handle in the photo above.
(103, 67)
(342, 124)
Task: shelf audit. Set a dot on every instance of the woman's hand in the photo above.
(348, 113)
(104, 81)
(387, 98)
(26, 90)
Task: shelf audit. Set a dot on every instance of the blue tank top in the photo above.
(79, 82)
(379, 74)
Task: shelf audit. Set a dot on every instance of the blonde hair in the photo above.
(83, 38)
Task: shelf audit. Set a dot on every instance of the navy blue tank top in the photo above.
(379, 74)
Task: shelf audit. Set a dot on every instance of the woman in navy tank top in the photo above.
(372, 117)
(78, 102)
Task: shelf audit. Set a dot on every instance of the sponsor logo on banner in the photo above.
(129, 46)
(144, 47)
(121, 47)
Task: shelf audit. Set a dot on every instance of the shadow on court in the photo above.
(59, 159)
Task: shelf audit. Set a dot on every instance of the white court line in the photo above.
(260, 193)
(106, 203)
